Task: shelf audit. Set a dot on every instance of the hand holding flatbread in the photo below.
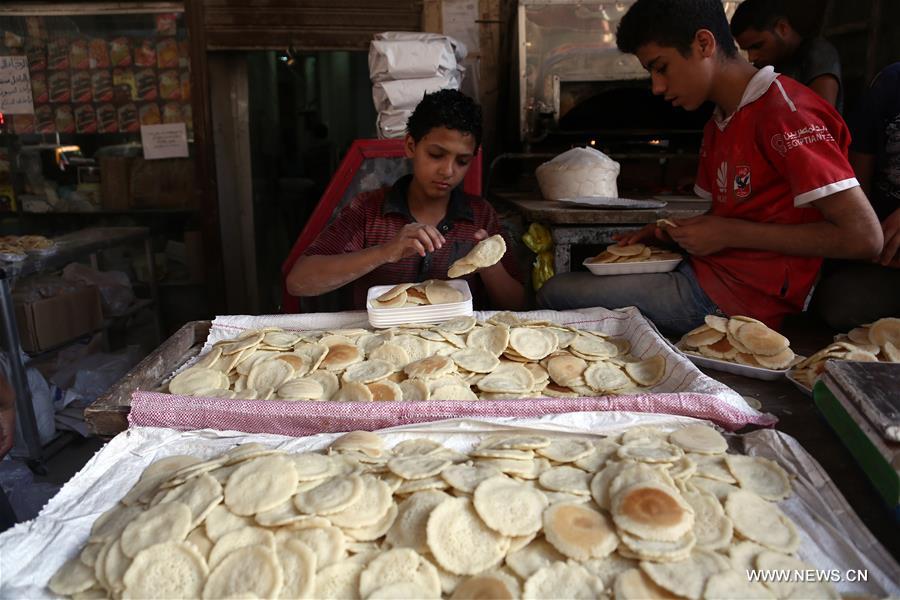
(486, 253)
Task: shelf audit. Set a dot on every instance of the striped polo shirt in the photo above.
(374, 218)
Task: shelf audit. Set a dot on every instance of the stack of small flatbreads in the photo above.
(878, 341)
(20, 244)
(645, 514)
(486, 253)
(741, 340)
(461, 359)
(632, 253)
(432, 291)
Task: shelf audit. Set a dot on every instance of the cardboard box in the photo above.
(165, 183)
(49, 322)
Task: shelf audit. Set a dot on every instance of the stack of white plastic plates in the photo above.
(428, 313)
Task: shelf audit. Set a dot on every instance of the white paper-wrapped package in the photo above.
(407, 93)
(579, 172)
(392, 123)
(409, 55)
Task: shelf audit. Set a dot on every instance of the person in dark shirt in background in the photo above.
(853, 293)
(764, 29)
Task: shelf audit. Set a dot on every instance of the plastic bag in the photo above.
(115, 287)
(539, 241)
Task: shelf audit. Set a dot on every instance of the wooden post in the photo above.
(432, 20)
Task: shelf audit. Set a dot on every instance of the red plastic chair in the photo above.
(359, 152)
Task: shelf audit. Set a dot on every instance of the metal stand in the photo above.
(25, 418)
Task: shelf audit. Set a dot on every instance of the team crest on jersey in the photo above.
(742, 181)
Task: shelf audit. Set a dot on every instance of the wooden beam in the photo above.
(205, 191)
(432, 16)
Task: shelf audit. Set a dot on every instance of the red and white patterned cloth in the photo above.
(299, 418)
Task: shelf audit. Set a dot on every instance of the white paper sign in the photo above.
(459, 20)
(15, 86)
(164, 141)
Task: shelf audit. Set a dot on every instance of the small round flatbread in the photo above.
(658, 452)
(328, 543)
(762, 522)
(458, 325)
(269, 374)
(414, 390)
(430, 367)
(260, 484)
(642, 549)
(562, 580)
(441, 292)
(647, 372)
(200, 494)
(390, 353)
(699, 438)
(417, 467)
(454, 392)
(241, 538)
(340, 580)
(508, 379)
(496, 584)
(884, 331)
(493, 338)
(169, 570)
(332, 496)
(366, 442)
(169, 522)
(465, 478)
(530, 343)
(409, 529)
(460, 541)
(734, 585)
(760, 475)
(340, 356)
(633, 584)
(475, 360)
(652, 511)
(298, 564)
(628, 250)
(301, 388)
(533, 557)
(369, 508)
(508, 506)
(385, 391)
(687, 577)
(73, 577)
(195, 379)
(761, 340)
(396, 566)
(605, 377)
(253, 571)
(579, 531)
(220, 521)
(368, 371)
(566, 450)
(712, 528)
(566, 479)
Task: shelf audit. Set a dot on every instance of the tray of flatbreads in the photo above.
(667, 508)
(739, 345)
(433, 301)
(632, 259)
(875, 342)
(504, 358)
(15, 248)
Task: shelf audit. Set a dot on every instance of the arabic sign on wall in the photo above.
(15, 86)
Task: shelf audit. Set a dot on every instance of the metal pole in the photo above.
(24, 407)
(154, 286)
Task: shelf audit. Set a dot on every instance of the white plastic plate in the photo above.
(607, 202)
(730, 367)
(431, 313)
(626, 268)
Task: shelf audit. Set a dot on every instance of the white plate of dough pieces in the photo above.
(876, 342)
(432, 301)
(739, 345)
(642, 513)
(632, 259)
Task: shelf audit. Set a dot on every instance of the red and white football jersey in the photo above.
(784, 148)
